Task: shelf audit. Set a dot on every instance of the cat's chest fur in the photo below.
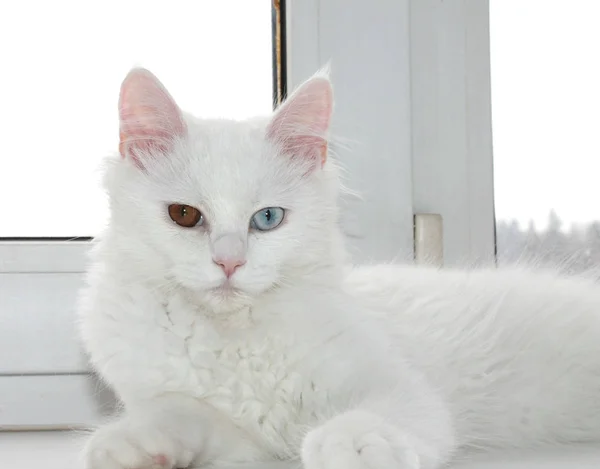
(265, 381)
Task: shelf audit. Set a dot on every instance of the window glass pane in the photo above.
(545, 99)
(62, 64)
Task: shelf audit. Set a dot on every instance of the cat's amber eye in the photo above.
(185, 215)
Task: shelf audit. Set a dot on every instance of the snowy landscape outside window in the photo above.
(545, 100)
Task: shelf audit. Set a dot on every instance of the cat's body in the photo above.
(514, 351)
(286, 365)
(234, 332)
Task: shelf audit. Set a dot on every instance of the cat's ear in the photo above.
(300, 126)
(149, 118)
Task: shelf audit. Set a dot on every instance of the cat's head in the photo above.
(227, 209)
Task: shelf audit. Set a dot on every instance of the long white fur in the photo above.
(339, 367)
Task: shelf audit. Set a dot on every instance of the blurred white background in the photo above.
(545, 120)
(545, 101)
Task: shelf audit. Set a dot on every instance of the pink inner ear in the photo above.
(300, 126)
(149, 117)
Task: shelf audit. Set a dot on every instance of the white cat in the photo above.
(221, 311)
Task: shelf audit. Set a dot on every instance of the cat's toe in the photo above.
(119, 446)
(335, 446)
(389, 449)
(329, 450)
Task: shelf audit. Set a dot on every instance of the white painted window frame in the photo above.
(414, 84)
(438, 73)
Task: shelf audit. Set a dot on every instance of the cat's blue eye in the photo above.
(267, 218)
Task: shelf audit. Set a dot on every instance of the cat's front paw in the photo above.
(358, 440)
(130, 445)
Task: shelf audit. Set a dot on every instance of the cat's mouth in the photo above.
(226, 289)
(226, 298)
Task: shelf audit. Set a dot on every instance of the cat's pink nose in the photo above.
(229, 266)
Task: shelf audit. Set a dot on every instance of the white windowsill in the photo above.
(59, 450)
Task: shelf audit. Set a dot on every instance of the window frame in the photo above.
(452, 125)
(445, 60)
(438, 72)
